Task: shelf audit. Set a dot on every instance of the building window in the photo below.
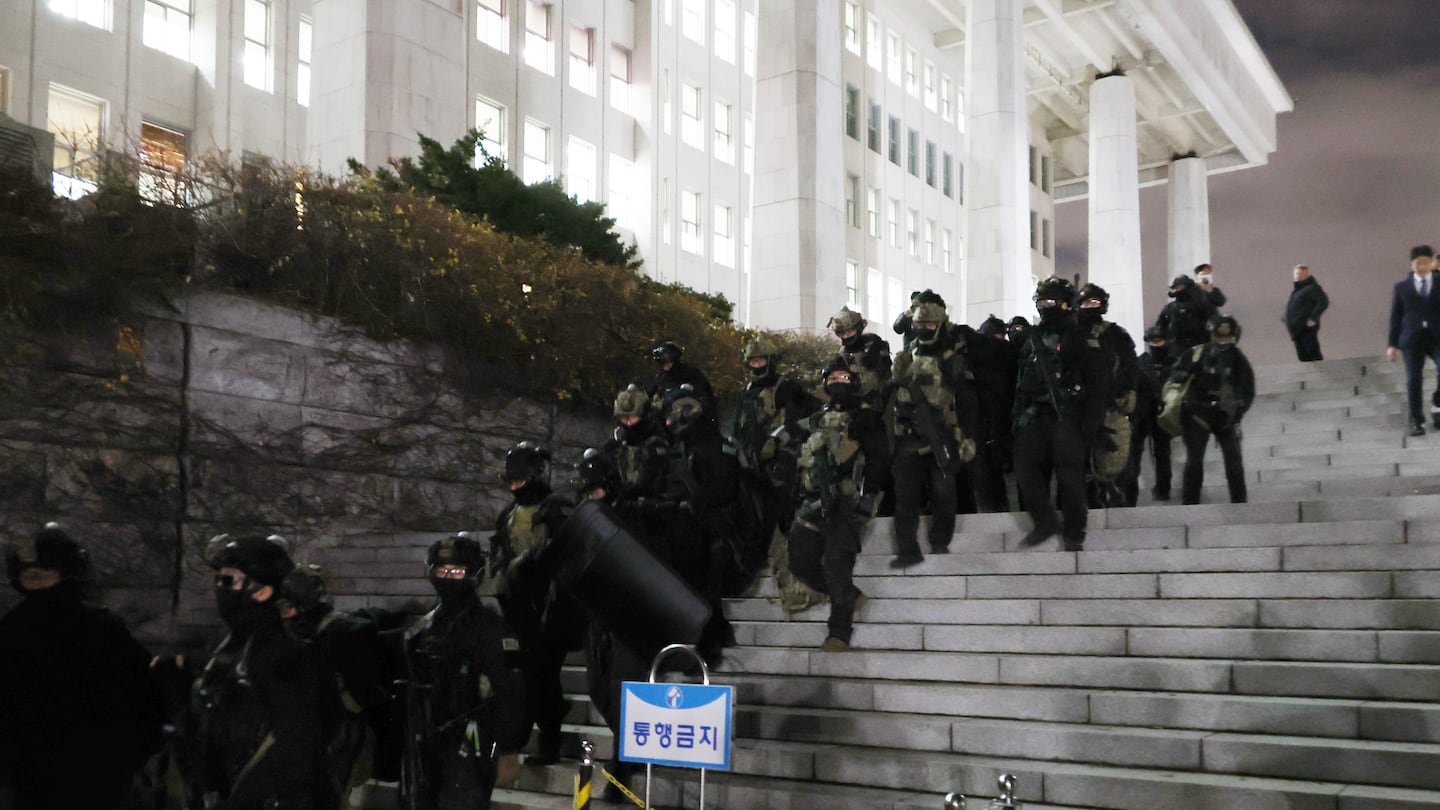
(491, 26)
(724, 242)
(305, 49)
(945, 237)
(537, 152)
(1045, 173)
(874, 42)
(621, 194)
(77, 121)
(167, 27)
(893, 47)
(895, 140)
(893, 220)
(852, 27)
(582, 59)
(852, 111)
(912, 73)
(1034, 167)
(490, 120)
(580, 169)
(852, 201)
(852, 284)
(692, 19)
(893, 289)
(620, 79)
(874, 294)
(749, 145)
(724, 133)
(256, 58)
(929, 241)
(947, 171)
(1045, 237)
(872, 128)
(725, 30)
(872, 210)
(538, 53)
(90, 12)
(947, 110)
(930, 164)
(749, 43)
(162, 164)
(912, 157)
(929, 79)
(692, 121)
(690, 240)
(912, 232)
(960, 182)
(1034, 231)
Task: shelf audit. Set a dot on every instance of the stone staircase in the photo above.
(1283, 653)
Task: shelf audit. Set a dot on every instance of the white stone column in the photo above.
(1115, 201)
(1189, 216)
(997, 194)
(797, 271)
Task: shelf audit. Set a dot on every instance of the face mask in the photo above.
(853, 342)
(451, 589)
(841, 392)
(926, 335)
(1089, 317)
(531, 493)
(240, 612)
(1160, 353)
(1052, 314)
(761, 372)
(59, 593)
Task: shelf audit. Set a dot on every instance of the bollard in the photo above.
(954, 801)
(584, 780)
(1006, 800)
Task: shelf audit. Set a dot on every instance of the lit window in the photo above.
(690, 240)
(538, 53)
(622, 194)
(724, 236)
(749, 145)
(912, 157)
(302, 75)
(874, 294)
(692, 122)
(749, 45)
(162, 164)
(852, 201)
(912, 232)
(724, 133)
(580, 169)
(491, 27)
(892, 289)
(872, 210)
(537, 152)
(852, 27)
(895, 140)
(490, 120)
(874, 42)
(912, 73)
(852, 284)
(947, 175)
(725, 30)
(582, 59)
(692, 19)
(852, 111)
(929, 241)
(947, 109)
(892, 57)
(77, 121)
(90, 12)
(893, 220)
(167, 27)
(872, 128)
(929, 79)
(257, 44)
(945, 238)
(620, 79)
(930, 164)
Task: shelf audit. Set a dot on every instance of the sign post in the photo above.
(677, 724)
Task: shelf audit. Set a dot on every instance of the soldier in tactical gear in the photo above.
(842, 465)
(1110, 455)
(1184, 319)
(255, 726)
(1154, 367)
(78, 713)
(354, 692)
(767, 404)
(671, 373)
(866, 352)
(934, 410)
(465, 701)
(1221, 389)
(548, 622)
(995, 381)
(1015, 329)
(1060, 404)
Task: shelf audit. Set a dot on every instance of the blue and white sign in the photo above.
(679, 724)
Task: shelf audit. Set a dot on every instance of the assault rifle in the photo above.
(924, 415)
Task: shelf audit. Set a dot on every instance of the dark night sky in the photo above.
(1354, 183)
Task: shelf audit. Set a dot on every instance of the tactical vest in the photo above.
(1041, 356)
(871, 380)
(639, 465)
(827, 459)
(522, 529)
(231, 711)
(930, 368)
(756, 417)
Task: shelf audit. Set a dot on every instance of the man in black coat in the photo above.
(1415, 332)
(1221, 391)
(1302, 314)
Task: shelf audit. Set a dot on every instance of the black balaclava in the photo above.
(1161, 353)
(855, 342)
(531, 493)
(1089, 316)
(240, 612)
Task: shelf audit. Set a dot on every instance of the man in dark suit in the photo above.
(1415, 331)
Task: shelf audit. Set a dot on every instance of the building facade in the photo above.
(794, 155)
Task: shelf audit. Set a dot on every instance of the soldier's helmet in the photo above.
(683, 408)
(1093, 292)
(263, 559)
(1053, 291)
(457, 549)
(992, 326)
(1224, 329)
(632, 402)
(1180, 285)
(52, 549)
(761, 348)
(839, 363)
(846, 320)
(527, 461)
(929, 317)
(1154, 335)
(667, 352)
(596, 471)
(306, 588)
